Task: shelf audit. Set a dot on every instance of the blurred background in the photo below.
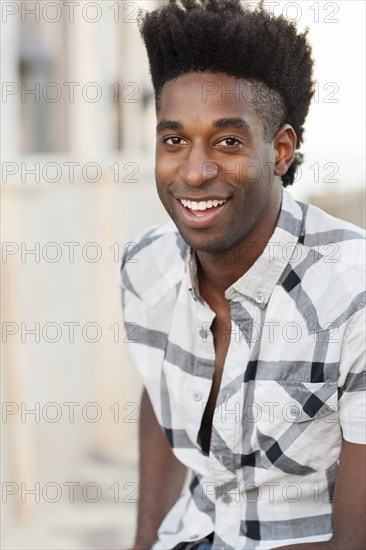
(78, 133)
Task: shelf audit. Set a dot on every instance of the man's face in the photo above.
(210, 147)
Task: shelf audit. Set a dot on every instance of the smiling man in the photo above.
(248, 306)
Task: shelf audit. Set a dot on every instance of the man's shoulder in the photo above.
(331, 264)
(318, 220)
(144, 243)
(336, 239)
(154, 262)
(329, 260)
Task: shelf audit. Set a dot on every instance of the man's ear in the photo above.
(285, 145)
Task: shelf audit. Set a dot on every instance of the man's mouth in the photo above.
(202, 205)
(198, 214)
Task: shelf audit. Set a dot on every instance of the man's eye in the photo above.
(173, 140)
(230, 142)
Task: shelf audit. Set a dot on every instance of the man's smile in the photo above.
(202, 204)
(198, 214)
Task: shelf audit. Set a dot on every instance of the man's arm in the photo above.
(161, 476)
(349, 508)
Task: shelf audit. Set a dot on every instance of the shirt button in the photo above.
(227, 499)
(259, 298)
(293, 412)
(197, 395)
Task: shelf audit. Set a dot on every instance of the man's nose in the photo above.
(198, 168)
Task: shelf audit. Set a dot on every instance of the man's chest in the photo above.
(256, 375)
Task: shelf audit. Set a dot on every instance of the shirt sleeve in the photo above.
(352, 401)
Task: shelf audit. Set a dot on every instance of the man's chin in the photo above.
(205, 244)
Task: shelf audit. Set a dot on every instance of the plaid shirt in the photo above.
(292, 384)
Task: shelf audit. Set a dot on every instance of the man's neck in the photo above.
(217, 272)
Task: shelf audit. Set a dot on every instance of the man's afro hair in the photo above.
(225, 36)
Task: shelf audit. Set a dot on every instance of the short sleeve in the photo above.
(352, 386)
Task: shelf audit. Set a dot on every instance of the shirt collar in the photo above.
(258, 282)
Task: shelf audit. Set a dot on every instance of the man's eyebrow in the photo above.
(169, 125)
(231, 122)
(236, 122)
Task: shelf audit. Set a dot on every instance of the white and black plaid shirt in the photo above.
(292, 385)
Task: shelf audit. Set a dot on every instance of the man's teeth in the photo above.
(202, 205)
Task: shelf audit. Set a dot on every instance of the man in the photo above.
(247, 308)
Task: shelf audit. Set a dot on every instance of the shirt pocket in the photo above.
(296, 427)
